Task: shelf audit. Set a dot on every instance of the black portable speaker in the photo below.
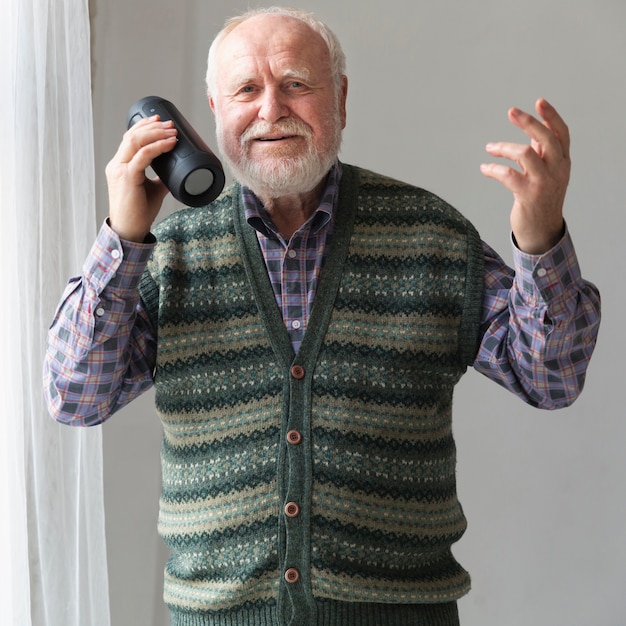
(192, 173)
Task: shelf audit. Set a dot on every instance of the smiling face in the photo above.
(278, 114)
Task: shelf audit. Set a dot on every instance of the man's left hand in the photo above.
(540, 184)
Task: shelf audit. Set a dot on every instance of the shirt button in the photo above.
(292, 575)
(292, 509)
(297, 371)
(115, 254)
(99, 311)
(541, 272)
(296, 324)
(292, 254)
(294, 437)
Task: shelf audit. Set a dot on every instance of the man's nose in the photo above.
(273, 105)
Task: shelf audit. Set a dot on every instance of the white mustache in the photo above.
(265, 129)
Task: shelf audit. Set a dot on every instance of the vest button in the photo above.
(297, 371)
(292, 575)
(292, 509)
(294, 437)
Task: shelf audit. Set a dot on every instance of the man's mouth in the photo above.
(281, 138)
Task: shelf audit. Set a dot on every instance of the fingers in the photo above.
(547, 153)
(144, 141)
(525, 156)
(505, 175)
(550, 138)
(555, 123)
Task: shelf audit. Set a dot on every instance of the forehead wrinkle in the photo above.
(257, 49)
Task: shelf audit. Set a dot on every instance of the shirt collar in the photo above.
(258, 218)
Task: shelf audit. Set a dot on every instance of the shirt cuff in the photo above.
(545, 277)
(115, 262)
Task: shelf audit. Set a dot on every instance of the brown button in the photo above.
(294, 437)
(292, 509)
(297, 371)
(292, 575)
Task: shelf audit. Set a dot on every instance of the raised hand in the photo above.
(540, 183)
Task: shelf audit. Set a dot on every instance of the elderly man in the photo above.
(304, 334)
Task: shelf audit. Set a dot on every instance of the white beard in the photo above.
(277, 176)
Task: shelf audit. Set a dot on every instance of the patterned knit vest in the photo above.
(317, 487)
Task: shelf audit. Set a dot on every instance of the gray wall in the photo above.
(430, 84)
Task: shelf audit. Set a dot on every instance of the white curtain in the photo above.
(52, 544)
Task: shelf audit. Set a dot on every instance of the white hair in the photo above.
(337, 57)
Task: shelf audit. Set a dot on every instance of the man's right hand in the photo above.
(134, 199)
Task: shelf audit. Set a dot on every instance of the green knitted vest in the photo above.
(316, 488)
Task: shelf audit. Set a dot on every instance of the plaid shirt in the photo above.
(294, 266)
(539, 321)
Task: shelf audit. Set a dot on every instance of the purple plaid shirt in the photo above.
(294, 266)
(539, 321)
